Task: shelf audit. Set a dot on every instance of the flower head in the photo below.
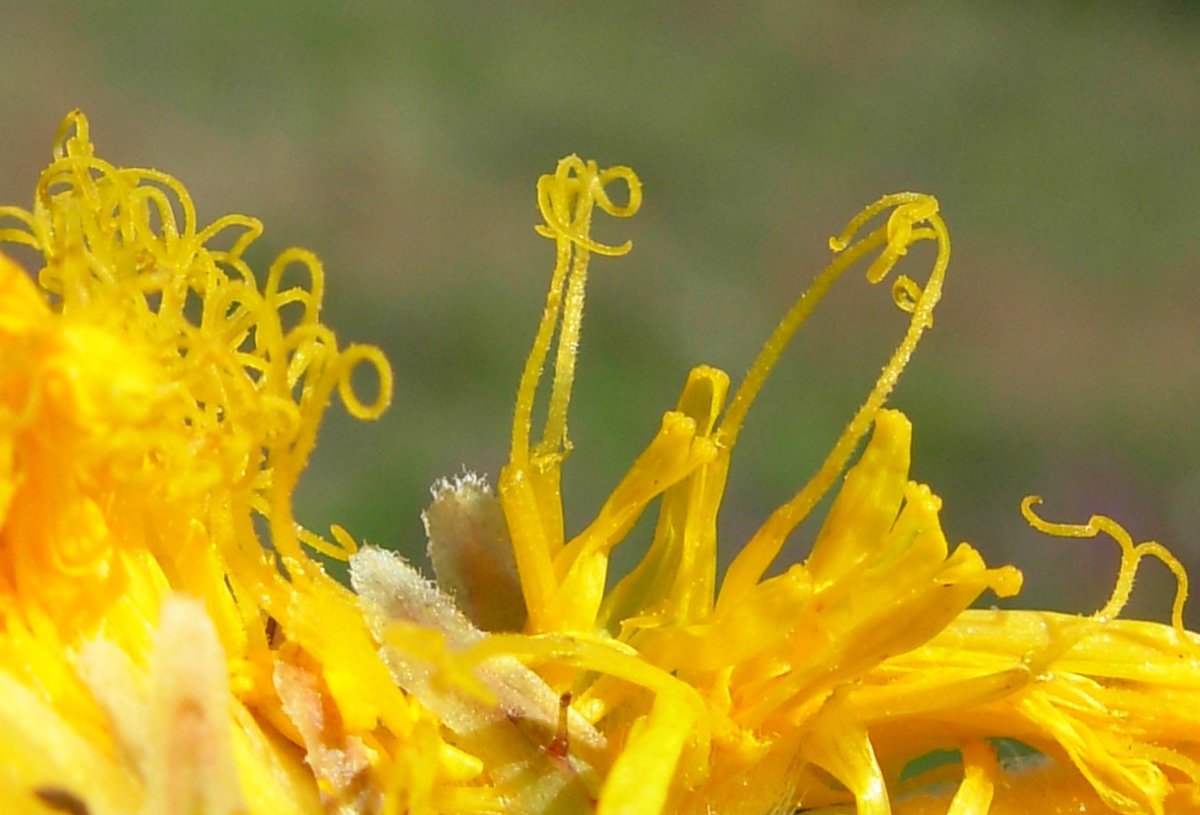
(171, 644)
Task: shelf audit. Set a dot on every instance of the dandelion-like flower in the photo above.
(170, 643)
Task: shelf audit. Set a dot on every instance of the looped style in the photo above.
(1131, 555)
(566, 198)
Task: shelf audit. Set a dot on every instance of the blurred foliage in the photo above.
(401, 141)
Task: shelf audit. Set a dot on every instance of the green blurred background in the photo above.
(402, 141)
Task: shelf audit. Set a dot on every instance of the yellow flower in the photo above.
(171, 644)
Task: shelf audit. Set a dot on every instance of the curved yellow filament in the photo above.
(1130, 555)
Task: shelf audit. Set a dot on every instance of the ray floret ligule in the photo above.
(172, 642)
